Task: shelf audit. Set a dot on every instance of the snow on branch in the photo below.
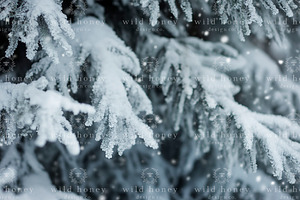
(153, 9)
(203, 99)
(283, 95)
(37, 22)
(30, 106)
(62, 76)
(118, 99)
(24, 170)
(244, 13)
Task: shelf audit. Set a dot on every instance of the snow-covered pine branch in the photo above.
(37, 23)
(265, 91)
(265, 13)
(152, 8)
(62, 76)
(118, 99)
(201, 101)
(242, 14)
(23, 170)
(30, 106)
